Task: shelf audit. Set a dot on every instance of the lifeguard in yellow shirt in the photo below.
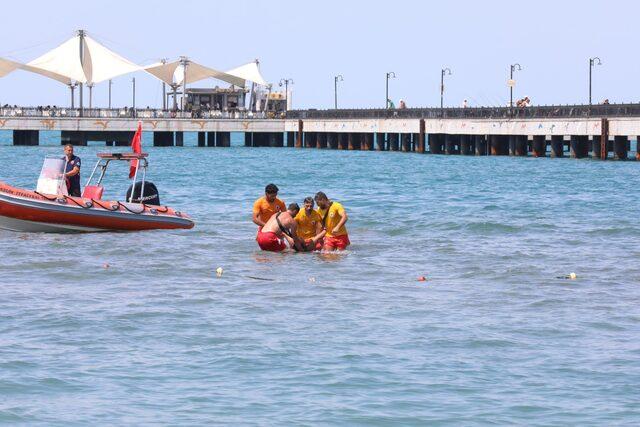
(310, 228)
(334, 218)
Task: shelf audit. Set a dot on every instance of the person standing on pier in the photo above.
(72, 171)
(268, 205)
(334, 217)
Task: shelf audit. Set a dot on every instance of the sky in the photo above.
(310, 42)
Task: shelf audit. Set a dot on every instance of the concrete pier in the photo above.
(26, 137)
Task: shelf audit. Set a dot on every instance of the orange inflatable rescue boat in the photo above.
(50, 209)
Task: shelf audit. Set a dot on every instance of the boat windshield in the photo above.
(51, 180)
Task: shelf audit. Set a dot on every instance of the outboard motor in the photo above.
(150, 196)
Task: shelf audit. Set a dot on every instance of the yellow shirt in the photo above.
(265, 210)
(336, 212)
(307, 223)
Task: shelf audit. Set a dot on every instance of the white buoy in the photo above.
(219, 271)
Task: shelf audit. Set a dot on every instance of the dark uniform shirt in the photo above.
(73, 183)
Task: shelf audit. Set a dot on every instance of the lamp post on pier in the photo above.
(390, 75)
(512, 83)
(286, 83)
(336, 79)
(592, 62)
(110, 84)
(133, 88)
(443, 72)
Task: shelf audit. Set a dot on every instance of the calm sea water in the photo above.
(492, 337)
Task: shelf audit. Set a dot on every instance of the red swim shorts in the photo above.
(317, 247)
(336, 242)
(269, 241)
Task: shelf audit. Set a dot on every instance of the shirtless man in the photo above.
(280, 226)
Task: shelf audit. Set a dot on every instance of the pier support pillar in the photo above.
(465, 145)
(202, 139)
(579, 146)
(595, 146)
(211, 139)
(394, 143)
(179, 139)
(557, 146)
(291, 139)
(163, 139)
(300, 134)
(406, 142)
(481, 145)
(435, 143)
(499, 145)
(368, 142)
(637, 147)
(322, 140)
(380, 143)
(77, 138)
(276, 139)
(248, 139)
(26, 137)
(342, 141)
(332, 140)
(223, 139)
(539, 146)
(421, 147)
(451, 144)
(620, 147)
(512, 145)
(521, 148)
(350, 141)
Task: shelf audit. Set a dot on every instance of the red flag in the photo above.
(136, 146)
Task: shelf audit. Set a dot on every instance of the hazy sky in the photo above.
(311, 42)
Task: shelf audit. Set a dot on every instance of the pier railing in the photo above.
(537, 112)
(128, 113)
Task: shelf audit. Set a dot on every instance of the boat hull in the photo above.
(28, 211)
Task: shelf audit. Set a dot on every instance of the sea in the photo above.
(138, 329)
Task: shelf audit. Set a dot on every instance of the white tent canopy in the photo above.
(250, 71)
(173, 73)
(63, 63)
(7, 66)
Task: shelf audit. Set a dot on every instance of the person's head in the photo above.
(308, 204)
(271, 192)
(293, 209)
(322, 200)
(68, 150)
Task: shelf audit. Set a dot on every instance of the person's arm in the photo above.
(295, 241)
(320, 232)
(256, 214)
(256, 219)
(73, 172)
(343, 220)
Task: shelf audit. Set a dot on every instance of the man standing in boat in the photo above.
(267, 205)
(72, 171)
